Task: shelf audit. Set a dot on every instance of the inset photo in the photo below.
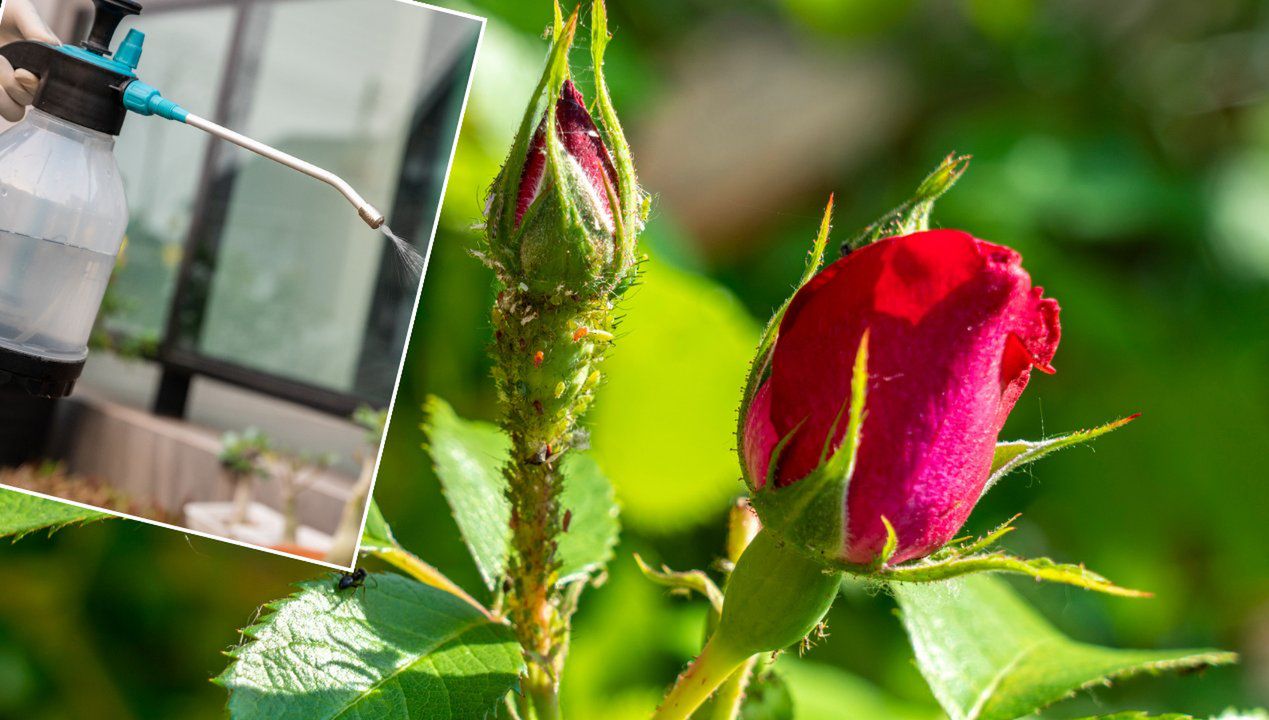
(214, 220)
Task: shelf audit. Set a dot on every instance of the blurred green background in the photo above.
(1122, 147)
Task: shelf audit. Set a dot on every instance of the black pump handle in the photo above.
(28, 55)
(109, 14)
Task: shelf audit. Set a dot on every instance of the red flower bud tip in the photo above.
(955, 327)
(583, 145)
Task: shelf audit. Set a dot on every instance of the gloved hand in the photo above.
(19, 21)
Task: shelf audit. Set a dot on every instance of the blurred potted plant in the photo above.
(242, 459)
(296, 473)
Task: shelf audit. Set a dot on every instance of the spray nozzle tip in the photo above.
(373, 217)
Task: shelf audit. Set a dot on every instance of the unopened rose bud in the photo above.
(564, 214)
(953, 329)
(564, 222)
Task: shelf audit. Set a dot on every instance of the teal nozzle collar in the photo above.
(137, 96)
(125, 59)
(145, 100)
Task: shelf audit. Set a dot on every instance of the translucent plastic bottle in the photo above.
(63, 215)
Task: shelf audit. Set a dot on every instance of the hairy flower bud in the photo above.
(564, 222)
(564, 213)
(953, 329)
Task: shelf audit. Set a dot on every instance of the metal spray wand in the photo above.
(146, 100)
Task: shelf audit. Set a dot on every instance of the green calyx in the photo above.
(569, 238)
(774, 598)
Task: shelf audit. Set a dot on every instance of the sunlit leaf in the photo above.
(21, 514)
(469, 455)
(988, 656)
(395, 648)
(376, 534)
(468, 458)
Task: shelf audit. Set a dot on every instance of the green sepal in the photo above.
(557, 21)
(766, 343)
(1013, 455)
(774, 598)
(500, 222)
(811, 513)
(913, 215)
(632, 206)
(974, 555)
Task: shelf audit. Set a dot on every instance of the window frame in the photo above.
(179, 364)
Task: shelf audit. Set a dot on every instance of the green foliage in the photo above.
(988, 656)
(469, 456)
(243, 453)
(378, 541)
(21, 514)
(664, 420)
(1227, 715)
(396, 648)
(468, 459)
(768, 698)
(376, 534)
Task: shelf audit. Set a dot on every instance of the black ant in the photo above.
(355, 579)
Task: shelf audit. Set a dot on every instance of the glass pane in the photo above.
(162, 162)
(338, 84)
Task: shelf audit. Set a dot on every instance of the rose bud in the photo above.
(953, 328)
(564, 213)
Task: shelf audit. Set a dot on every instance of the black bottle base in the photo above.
(22, 374)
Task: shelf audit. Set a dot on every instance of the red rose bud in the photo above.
(954, 327)
(565, 211)
(589, 159)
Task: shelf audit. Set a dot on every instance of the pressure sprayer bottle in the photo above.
(63, 213)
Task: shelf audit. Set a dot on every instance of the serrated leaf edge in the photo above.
(268, 615)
